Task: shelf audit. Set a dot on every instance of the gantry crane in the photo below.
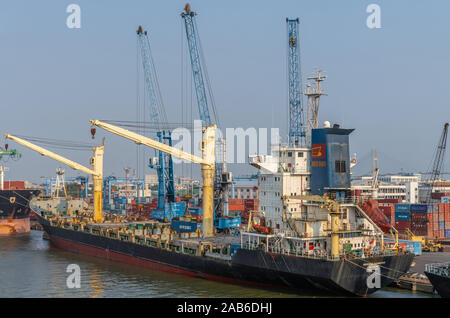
(223, 179)
(437, 164)
(164, 165)
(296, 125)
(81, 179)
(97, 169)
(207, 163)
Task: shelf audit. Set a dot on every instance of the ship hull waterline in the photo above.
(254, 267)
(15, 211)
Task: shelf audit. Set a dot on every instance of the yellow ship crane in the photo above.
(96, 171)
(207, 163)
(334, 210)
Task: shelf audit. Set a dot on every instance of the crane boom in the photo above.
(207, 162)
(47, 153)
(96, 171)
(197, 72)
(164, 168)
(157, 112)
(437, 163)
(296, 127)
(142, 140)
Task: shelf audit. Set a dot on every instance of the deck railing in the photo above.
(442, 269)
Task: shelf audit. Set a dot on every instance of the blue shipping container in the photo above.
(196, 211)
(441, 225)
(223, 223)
(184, 226)
(447, 233)
(402, 207)
(402, 216)
(419, 208)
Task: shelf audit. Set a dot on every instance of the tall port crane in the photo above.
(97, 169)
(437, 163)
(164, 164)
(13, 154)
(222, 178)
(207, 162)
(296, 125)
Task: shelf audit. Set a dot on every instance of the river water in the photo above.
(30, 267)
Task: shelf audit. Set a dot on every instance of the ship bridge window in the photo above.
(340, 166)
(300, 154)
(289, 154)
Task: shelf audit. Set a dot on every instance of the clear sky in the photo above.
(390, 84)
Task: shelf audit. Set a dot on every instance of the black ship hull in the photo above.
(15, 210)
(440, 283)
(343, 277)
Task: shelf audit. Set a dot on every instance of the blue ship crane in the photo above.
(164, 163)
(296, 125)
(206, 110)
(196, 63)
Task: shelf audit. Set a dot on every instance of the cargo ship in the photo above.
(15, 210)
(439, 276)
(330, 245)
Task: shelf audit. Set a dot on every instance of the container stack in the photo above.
(402, 216)
(419, 219)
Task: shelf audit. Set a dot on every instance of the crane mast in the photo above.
(197, 71)
(437, 163)
(296, 127)
(164, 166)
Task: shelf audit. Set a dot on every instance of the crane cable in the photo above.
(60, 144)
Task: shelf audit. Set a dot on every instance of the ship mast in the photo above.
(313, 93)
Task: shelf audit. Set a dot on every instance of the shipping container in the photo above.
(227, 222)
(441, 225)
(447, 233)
(401, 225)
(184, 226)
(402, 216)
(402, 207)
(419, 208)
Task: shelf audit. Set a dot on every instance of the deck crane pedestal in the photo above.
(207, 163)
(96, 171)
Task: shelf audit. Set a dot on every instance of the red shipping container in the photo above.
(236, 201)
(14, 185)
(401, 225)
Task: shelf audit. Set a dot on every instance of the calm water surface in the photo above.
(30, 267)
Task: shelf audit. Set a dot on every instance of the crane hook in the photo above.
(93, 132)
